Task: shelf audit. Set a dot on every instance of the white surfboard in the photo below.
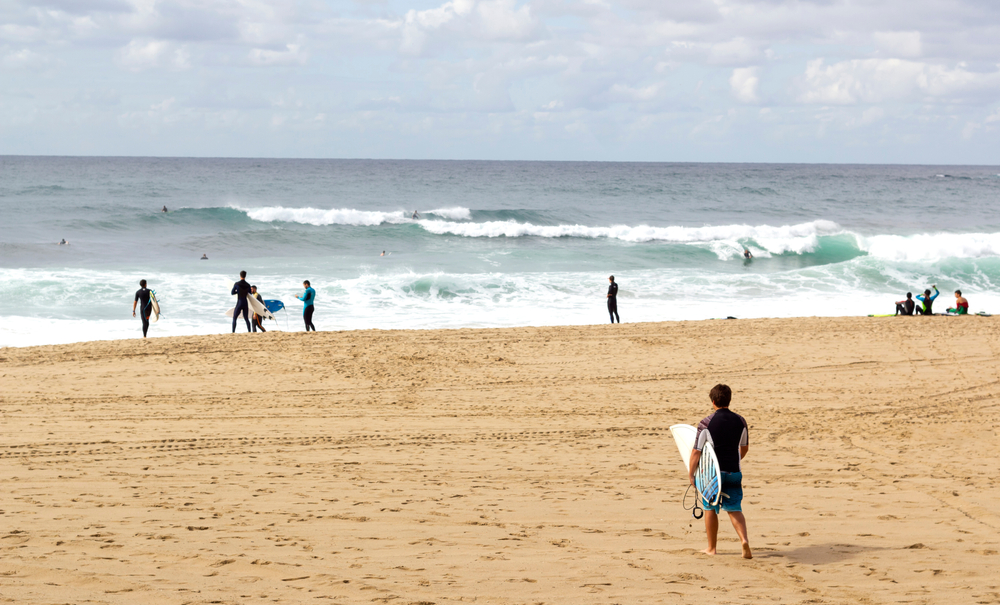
(255, 307)
(155, 315)
(708, 476)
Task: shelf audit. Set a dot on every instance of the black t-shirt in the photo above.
(142, 297)
(613, 290)
(726, 431)
(241, 289)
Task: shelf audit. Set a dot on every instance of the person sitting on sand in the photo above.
(961, 305)
(928, 301)
(905, 307)
(728, 433)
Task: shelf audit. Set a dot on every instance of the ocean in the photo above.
(496, 243)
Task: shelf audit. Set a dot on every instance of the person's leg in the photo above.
(740, 525)
(253, 323)
(145, 323)
(900, 309)
(712, 531)
(246, 315)
(260, 323)
(309, 318)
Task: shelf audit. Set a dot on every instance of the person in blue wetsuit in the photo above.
(241, 289)
(308, 298)
(928, 301)
(142, 296)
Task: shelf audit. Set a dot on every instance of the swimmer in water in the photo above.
(63, 242)
(204, 257)
(383, 253)
(164, 209)
(746, 253)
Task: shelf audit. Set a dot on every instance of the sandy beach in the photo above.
(527, 465)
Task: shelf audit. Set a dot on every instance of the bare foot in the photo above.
(708, 551)
(746, 551)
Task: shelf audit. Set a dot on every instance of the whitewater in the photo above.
(425, 245)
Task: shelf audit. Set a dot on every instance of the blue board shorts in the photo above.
(732, 486)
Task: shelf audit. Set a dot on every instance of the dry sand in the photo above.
(501, 466)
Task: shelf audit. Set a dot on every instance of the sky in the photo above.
(840, 81)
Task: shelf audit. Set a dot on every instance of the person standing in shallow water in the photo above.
(613, 300)
(142, 296)
(308, 298)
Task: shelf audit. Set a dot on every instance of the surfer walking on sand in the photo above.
(258, 321)
(241, 289)
(145, 308)
(613, 300)
(307, 298)
(727, 432)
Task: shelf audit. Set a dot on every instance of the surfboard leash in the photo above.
(696, 511)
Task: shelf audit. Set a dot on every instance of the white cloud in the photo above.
(906, 45)
(744, 84)
(139, 55)
(24, 59)
(891, 80)
(293, 54)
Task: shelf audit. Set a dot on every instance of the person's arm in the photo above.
(743, 451)
(235, 288)
(695, 459)
(935, 295)
(134, 302)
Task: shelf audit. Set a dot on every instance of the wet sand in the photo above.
(502, 466)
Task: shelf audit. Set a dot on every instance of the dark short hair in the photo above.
(306, 282)
(253, 286)
(959, 292)
(927, 292)
(721, 395)
(611, 277)
(909, 295)
(142, 283)
(243, 274)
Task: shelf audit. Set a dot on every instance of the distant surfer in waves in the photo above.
(415, 215)
(728, 433)
(241, 289)
(308, 298)
(146, 308)
(258, 321)
(746, 253)
(383, 253)
(204, 257)
(164, 211)
(63, 242)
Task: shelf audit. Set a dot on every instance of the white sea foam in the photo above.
(931, 247)
(50, 307)
(321, 217)
(456, 213)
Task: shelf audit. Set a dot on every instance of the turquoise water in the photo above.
(495, 244)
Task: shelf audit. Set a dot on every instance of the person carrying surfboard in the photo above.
(728, 434)
(258, 321)
(241, 289)
(146, 309)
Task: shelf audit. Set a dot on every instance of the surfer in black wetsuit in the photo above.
(905, 307)
(613, 300)
(145, 308)
(746, 254)
(241, 289)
